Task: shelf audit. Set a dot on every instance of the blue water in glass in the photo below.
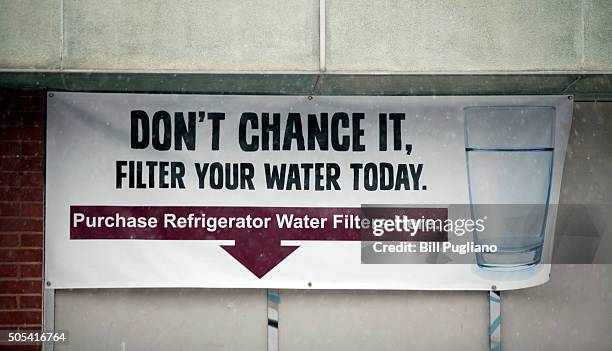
(509, 154)
(508, 188)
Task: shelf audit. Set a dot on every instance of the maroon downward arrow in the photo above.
(258, 254)
(258, 250)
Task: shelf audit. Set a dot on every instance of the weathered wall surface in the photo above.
(22, 118)
(571, 312)
(283, 35)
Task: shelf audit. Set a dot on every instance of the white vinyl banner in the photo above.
(323, 192)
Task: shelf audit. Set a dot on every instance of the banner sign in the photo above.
(318, 192)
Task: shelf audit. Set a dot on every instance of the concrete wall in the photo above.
(283, 35)
(571, 312)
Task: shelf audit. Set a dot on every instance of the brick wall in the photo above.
(22, 117)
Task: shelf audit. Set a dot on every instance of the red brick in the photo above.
(10, 164)
(8, 270)
(20, 317)
(32, 149)
(30, 302)
(21, 225)
(10, 209)
(22, 119)
(31, 240)
(33, 180)
(20, 179)
(8, 179)
(32, 209)
(21, 255)
(32, 163)
(22, 103)
(21, 134)
(31, 270)
(21, 347)
(21, 148)
(22, 327)
(31, 194)
(8, 302)
(21, 194)
(10, 148)
(20, 287)
(9, 240)
(21, 163)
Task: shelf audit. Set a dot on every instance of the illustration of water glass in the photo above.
(509, 153)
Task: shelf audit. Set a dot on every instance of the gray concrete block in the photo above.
(162, 319)
(598, 35)
(570, 312)
(191, 35)
(454, 36)
(383, 320)
(588, 162)
(30, 34)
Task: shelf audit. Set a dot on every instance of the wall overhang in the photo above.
(583, 85)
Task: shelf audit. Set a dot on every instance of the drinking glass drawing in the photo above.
(509, 154)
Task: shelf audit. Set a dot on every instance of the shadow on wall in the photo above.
(584, 225)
